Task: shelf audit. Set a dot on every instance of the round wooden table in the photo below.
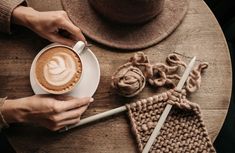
(199, 35)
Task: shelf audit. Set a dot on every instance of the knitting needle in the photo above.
(97, 117)
(168, 107)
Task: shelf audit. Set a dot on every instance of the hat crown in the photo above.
(128, 11)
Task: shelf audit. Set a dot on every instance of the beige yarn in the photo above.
(194, 80)
(128, 80)
(130, 84)
(183, 130)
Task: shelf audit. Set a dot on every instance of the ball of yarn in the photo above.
(128, 81)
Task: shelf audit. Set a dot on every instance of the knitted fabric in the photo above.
(129, 79)
(183, 130)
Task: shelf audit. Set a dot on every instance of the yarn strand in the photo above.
(139, 70)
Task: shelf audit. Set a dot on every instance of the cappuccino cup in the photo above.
(58, 68)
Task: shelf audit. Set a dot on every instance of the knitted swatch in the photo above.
(183, 130)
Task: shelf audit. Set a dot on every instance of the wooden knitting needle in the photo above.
(103, 115)
(96, 117)
(168, 107)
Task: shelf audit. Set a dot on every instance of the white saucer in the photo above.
(89, 80)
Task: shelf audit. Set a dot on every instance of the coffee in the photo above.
(58, 69)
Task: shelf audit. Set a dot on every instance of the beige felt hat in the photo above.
(126, 24)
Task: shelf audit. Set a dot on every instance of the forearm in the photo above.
(23, 15)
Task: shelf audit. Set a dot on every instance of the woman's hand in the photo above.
(53, 113)
(48, 25)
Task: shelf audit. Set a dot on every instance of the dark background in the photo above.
(224, 10)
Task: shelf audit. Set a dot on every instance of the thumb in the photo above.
(73, 103)
(82, 101)
(73, 30)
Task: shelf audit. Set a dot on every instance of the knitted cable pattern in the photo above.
(183, 130)
(129, 79)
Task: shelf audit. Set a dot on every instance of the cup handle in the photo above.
(79, 46)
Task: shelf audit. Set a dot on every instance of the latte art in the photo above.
(60, 69)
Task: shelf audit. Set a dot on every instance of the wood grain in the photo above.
(199, 35)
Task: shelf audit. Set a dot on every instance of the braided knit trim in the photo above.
(183, 131)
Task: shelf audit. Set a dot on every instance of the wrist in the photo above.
(22, 15)
(12, 111)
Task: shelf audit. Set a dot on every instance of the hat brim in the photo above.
(130, 37)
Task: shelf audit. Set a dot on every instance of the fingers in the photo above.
(64, 112)
(50, 126)
(69, 122)
(64, 119)
(63, 97)
(61, 106)
(57, 27)
(74, 30)
(57, 126)
(71, 114)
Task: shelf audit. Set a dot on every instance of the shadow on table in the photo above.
(226, 139)
(5, 147)
(225, 14)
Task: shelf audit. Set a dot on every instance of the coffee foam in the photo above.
(58, 69)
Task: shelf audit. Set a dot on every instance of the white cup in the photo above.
(78, 48)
